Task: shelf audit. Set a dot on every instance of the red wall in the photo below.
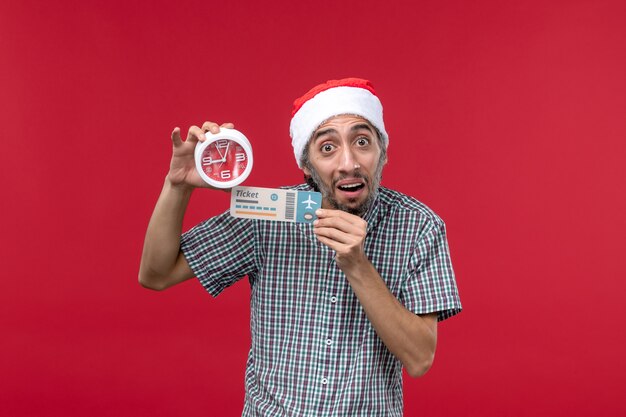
(506, 117)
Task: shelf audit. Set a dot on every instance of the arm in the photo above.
(411, 338)
(162, 263)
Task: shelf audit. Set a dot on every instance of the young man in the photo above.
(337, 307)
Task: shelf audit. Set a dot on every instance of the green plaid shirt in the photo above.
(313, 352)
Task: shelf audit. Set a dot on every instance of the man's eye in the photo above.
(327, 148)
(362, 141)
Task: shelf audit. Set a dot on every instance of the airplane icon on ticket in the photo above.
(308, 202)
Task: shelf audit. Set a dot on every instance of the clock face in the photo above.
(224, 161)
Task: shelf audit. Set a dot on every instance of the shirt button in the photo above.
(333, 299)
(324, 381)
(329, 342)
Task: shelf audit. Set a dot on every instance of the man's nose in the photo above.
(347, 162)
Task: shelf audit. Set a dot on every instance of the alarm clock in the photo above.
(224, 159)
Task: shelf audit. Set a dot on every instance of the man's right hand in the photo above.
(183, 171)
(162, 262)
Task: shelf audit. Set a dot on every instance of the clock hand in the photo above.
(225, 152)
(218, 151)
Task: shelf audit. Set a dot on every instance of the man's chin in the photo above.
(356, 206)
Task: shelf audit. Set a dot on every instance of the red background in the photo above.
(506, 117)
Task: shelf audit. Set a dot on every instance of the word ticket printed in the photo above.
(274, 204)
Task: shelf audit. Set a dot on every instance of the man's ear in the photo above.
(307, 172)
(386, 157)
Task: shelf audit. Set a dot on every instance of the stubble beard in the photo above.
(372, 184)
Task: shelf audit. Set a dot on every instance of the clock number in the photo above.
(225, 174)
(240, 157)
(221, 144)
(207, 160)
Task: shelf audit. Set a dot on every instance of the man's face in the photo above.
(344, 160)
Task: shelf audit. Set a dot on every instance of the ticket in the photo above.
(274, 204)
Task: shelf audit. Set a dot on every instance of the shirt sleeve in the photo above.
(220, 251)
(431, 286)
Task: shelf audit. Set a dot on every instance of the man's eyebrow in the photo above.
(353, 129)
(323, 132)
(362, 126)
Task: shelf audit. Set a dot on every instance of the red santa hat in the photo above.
(354, 96)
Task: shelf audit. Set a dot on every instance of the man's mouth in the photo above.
(351, 186)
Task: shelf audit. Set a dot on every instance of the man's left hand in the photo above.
(344, 233)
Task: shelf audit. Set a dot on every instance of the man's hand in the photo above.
(345, 234)
(162, 262)
(183, 166)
